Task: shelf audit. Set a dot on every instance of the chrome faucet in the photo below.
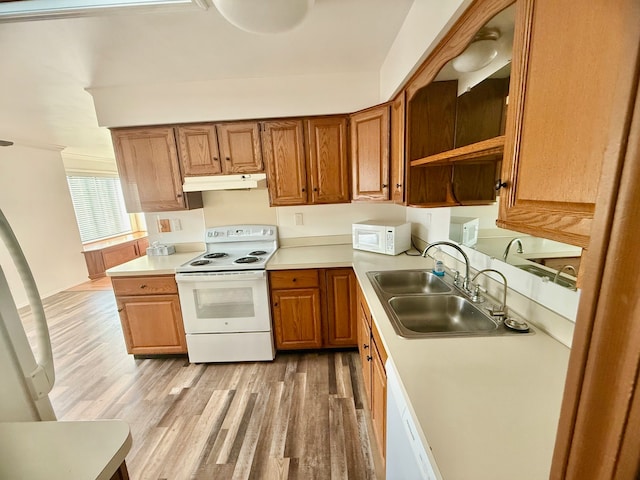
(506, 250)
(500, 310)
(465, 280)
(562, 269)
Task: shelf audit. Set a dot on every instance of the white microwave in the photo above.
(464, 230)
(382, 236)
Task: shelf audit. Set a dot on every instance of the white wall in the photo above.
(229, 99)
(425, 25)
(35, 199)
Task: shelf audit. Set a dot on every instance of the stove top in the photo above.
(235, 247)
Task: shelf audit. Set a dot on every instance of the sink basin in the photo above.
(450, 314)
(542, 273)
(410, 281)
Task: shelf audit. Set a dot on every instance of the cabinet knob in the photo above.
(500, 184)
(215, 159)
(143, 286)
(364, 345)
(369, 358)
(275, 304)
(384, 185)
(304, 189)
(315, 189)
(228, 159)
(294, 279)
(120, 309)
(179, 195)
(398, 185)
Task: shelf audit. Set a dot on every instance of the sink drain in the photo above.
(516, 325)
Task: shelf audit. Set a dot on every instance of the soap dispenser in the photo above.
(438, 264)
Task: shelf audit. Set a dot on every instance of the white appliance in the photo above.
(224, 182)
(464, 230)
(224, 296)
(26, 377)
(382, 236)
(406, 456)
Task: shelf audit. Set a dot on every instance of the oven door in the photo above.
(224, 302)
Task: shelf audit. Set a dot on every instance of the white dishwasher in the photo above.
(406, 456)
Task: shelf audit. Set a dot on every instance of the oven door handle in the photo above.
(220, 276)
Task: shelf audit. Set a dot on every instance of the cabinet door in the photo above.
(149, 169)
(152, 324)
(370, 153)
(328, 167)
(364, 347)
(296, 318)
(341, 319)
(199, 150)
(378, 400)
(119, 254)
(570, 89)
(397, 149)
(240, 147)
(283, 147)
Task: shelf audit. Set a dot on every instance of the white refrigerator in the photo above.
(26, 374)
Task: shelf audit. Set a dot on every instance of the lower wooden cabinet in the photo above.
(150, 314)
(313, 308)
(373, 357)
(100, 256)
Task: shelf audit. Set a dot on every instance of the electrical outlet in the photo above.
(298, 219)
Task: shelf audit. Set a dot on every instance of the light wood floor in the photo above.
(300, 417)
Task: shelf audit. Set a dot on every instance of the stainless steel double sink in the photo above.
(421, 304)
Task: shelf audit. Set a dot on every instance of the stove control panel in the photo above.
(241, 233)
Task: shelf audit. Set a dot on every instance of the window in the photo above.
(99, 207)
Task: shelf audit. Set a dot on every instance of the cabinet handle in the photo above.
(369, 358)
(143, 286)
(500, 184)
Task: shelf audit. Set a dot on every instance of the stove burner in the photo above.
(258, 252)
(197, 263)
(216, 255)
(247, 260)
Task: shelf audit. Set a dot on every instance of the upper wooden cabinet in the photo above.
(370, 153)
(199, 151)
(149, 170)
(283, 147)
(302, 172)
(328, 172)
(222, 148)
(240, 149)
(398, 149)
(572, 85)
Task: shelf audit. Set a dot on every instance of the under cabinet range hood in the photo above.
(224, 182)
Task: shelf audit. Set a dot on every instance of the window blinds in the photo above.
(99, 207)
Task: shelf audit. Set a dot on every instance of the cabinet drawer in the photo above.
(144, 285)
(294, 279)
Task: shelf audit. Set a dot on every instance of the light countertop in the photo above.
(152, 265)
(487, 407)
(63, 450)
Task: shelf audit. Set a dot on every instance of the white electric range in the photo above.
(224, 295)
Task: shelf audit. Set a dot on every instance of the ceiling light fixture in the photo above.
(264, 16)
(480, 52)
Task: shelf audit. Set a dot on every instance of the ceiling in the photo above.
(48, 64)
